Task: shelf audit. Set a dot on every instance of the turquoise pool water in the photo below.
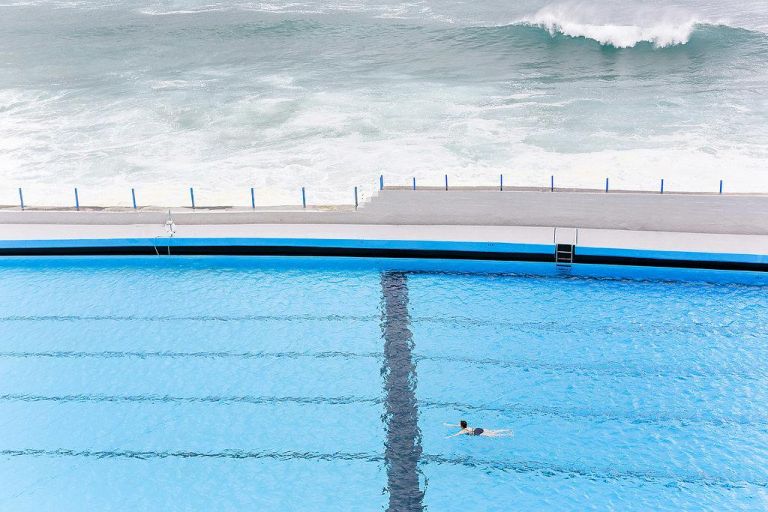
(232, 383)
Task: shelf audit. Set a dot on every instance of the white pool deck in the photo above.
(725, 228)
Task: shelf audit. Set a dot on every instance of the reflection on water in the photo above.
(403, 441)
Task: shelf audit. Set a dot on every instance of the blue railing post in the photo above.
(77, 200)
(721, 186)
(192, 196)
(551, 183)
(662, 185)
(253, 200)
(21, 198)
(414, 183)
(303, 198)
(606, 185)
(381, 182)
(355, 197)
(446, 182)
(501, 182)
(133, 198)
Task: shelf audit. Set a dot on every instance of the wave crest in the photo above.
(660, 33)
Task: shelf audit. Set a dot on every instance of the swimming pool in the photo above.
(232, 383)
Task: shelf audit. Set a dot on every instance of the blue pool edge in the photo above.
(373, 248)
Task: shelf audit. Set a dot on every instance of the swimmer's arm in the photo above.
(462, 431)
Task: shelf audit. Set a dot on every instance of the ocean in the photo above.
(161, 96)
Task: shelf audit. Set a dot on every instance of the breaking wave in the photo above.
(620, 36)
(660, 29)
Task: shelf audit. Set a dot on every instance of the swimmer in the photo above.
(477, 431)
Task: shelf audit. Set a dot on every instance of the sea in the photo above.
(160, 96)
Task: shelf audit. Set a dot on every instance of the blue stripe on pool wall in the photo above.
(79, 242)
(422, 245)
(501, 248)
(671, 255)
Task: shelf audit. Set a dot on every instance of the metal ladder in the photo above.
(563, 254)
(170, 228)
(565, 245)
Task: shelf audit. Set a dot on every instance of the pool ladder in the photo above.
(170, 229)
(563, 254)
(565, 240)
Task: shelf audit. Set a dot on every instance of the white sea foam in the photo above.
(275, 8)
(160, 85)
(184, 104)
(156, 12)
(660, 28)
(329, 143)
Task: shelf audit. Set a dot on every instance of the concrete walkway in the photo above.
(725, 214)
(10, 234)
(672, 230)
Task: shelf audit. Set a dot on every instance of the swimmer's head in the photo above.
(463, 424)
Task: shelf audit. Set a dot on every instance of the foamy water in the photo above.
(668, 28)
(224, 96)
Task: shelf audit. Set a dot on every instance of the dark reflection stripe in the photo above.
(224, 454)
(597, 474)
(750, 329)
(203, 318)
(518, 410)
(614, 369)
(247, 399)
(542, 469)
(615, 280)
(754, 330)
(114, 354)
(611, 368)
(402, 450)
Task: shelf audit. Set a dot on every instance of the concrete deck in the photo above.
(720, 231)
(639, 212)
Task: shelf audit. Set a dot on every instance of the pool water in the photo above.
(207, 383)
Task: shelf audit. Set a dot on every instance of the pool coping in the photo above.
(563, 228)
(499, 243)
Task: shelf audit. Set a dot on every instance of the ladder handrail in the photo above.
(575, 236)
